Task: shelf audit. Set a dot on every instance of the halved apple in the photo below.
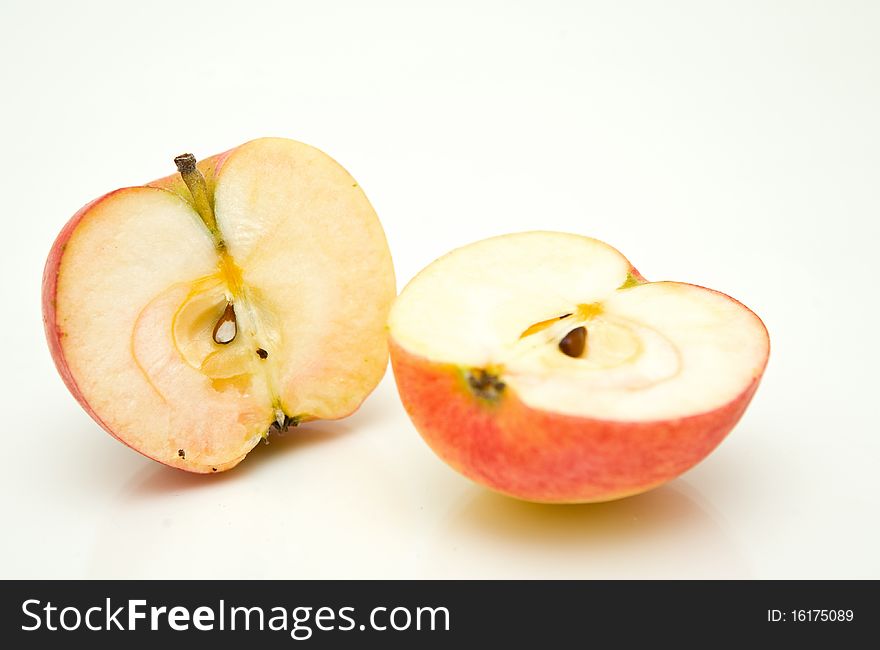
(248, 292)
(544, 366)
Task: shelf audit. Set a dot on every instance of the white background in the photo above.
(734, 145)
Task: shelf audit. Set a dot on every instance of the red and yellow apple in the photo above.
(246, 293)
(544, 366)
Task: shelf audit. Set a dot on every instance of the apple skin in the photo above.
(540, 456)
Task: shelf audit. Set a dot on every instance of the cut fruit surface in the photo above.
(326, 275)
(655, 349)
(545, 366)
(187, 343)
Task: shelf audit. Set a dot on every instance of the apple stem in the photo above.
(198, 188)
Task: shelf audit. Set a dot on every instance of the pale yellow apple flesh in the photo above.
(137, 286)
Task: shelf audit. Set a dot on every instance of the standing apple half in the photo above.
(244, 294)
(544, 366)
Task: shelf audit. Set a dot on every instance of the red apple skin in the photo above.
(541, 456)
(54, 335)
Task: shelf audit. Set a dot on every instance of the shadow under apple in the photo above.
(160, 479)
(665, 533)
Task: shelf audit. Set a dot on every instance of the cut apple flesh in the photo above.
(515, 304)
(188, 342)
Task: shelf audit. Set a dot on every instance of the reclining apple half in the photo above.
(195, 314)
(544, 366)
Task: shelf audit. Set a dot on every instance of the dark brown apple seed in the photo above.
(574, 343)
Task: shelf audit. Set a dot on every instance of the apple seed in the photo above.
(227, 327)
(574, 343)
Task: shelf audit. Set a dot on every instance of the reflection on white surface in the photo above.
(662, 534)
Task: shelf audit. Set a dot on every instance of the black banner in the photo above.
(436, 614)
